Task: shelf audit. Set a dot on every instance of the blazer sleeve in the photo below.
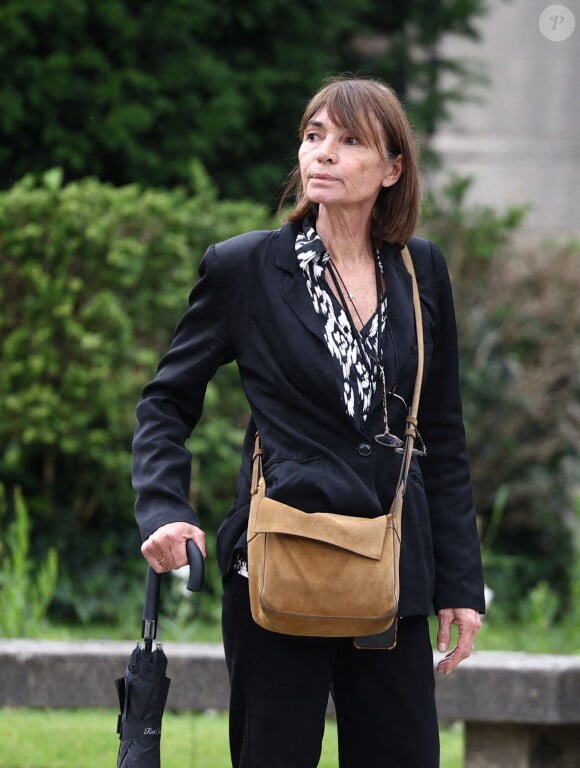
(457, 552)
(171, 404)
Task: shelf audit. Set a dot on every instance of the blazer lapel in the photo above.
(294, 295)
(295, 292)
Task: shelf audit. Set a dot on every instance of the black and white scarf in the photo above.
(358, 373)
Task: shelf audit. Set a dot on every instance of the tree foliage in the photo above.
(130, 91)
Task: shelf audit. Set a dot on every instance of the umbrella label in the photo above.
(130, 731)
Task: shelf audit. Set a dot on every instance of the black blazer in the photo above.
(251, 305)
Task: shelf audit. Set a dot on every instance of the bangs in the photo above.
(348, 108)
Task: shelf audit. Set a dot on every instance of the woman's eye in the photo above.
(351, 141)
(311, 136)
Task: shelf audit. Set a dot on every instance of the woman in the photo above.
(319, 317)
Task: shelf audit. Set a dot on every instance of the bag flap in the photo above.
(364, 536)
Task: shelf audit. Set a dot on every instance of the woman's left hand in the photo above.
(468, 624)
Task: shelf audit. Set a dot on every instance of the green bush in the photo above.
(92, 281)
(519, 325)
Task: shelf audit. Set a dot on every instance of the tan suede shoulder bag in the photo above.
(323, 574)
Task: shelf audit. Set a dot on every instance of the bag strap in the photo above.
(256, 465)
(411, 420)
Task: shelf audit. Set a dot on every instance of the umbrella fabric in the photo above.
(142, 697)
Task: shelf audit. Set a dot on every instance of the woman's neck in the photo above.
(346, 238)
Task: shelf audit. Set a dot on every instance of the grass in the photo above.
(529, 637)
(87, 738)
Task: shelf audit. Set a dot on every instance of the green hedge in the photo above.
(92, 281)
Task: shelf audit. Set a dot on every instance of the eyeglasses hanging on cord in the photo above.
(386, 438)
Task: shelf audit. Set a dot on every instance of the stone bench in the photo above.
(50, 673)
(519, 710)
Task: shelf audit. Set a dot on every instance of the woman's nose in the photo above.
(326, 151)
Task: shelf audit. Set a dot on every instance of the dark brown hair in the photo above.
(362, 105)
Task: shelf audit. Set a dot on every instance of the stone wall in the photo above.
(520, 141)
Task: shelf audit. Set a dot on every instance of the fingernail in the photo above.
(441, 647)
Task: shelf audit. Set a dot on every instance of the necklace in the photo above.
(371, 359)
(349, 293)
(386, 438)
(334, 269)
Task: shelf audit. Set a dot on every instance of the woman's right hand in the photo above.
(165, 549)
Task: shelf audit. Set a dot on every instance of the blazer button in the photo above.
(364, 449)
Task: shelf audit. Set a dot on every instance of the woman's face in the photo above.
(341, 169)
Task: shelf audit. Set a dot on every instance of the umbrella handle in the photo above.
(196, 566)
(194, 584)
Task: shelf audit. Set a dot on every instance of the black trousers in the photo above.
(384, 700)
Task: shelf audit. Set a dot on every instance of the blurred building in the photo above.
(520, 141)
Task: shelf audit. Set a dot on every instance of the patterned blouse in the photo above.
(357, 374)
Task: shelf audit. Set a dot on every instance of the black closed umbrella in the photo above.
(143, 690)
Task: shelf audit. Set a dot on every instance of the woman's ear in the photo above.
(394, 171)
